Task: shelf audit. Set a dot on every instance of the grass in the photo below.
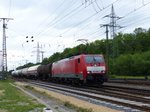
(29, 87)
(78, 109)
(128, 77)
(41, 92)
(13, 100)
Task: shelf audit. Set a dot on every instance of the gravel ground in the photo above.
(55, 100)
(48, 101)
(51, 103)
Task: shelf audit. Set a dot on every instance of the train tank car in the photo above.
(15, 73)
(81, 69)
(24, 72)
(32, 72)
(44, 71)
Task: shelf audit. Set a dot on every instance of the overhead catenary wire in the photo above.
(49, 16)
(71, 12)
(58, 17)
(94, 8)
(88, 17)
(64, 17)
(131, 12)
(135, 10)
(82, 28)
(128, 15)
(90, 33)
(97, 36)
(98, 5)
(133, 23)
(90, 22)
(144, 3)
(101, 3)
(18, 33)
(55, 21)
(10, 3)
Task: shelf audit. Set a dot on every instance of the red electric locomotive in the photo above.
(82, 68)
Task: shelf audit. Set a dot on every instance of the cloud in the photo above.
(57, 24)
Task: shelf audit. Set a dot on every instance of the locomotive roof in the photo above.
(72, 57)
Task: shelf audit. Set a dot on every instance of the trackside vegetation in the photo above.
(78, 109)
(129, 53)
(13, 100)
(137, 64)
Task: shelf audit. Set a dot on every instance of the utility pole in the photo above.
(4, 50)
(107, 47)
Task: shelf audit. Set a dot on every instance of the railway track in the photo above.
(131, 81)
(127, 99)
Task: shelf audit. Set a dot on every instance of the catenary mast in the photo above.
(4, 50)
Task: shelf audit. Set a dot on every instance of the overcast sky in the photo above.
(58, 24)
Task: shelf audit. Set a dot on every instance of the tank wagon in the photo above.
(84, 68)
(32, 72)
(44, 71)
(29, 72)
(14, 73)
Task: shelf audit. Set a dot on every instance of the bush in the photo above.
(131, 64)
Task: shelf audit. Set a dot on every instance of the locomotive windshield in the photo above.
(94, 59)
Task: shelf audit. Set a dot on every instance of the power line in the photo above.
(59, 19)
(102, 3)
(10, 2)
(98, 5)
(94, 8)
(141, 20)
(68, 15)
(90, 33)
(82, 28)
(86, 26)
(89, 17)
(135, 10)
(18, 33)
(79, 23)
(59, 6)
(95, 36)
(135, 21)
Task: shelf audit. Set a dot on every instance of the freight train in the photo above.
(84, 68)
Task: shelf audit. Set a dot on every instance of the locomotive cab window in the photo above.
(94, 59)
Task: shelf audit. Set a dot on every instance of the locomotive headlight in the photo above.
(88, 72)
